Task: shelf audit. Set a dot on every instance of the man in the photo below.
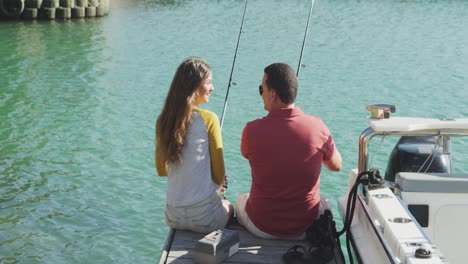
(286, 150)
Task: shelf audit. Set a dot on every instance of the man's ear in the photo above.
(273, 94)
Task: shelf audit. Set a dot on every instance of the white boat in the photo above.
(417, 214)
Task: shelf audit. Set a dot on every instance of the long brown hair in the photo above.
(176, 114)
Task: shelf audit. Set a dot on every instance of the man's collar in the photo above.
(286, 112)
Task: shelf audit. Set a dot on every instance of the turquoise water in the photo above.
(78, 101)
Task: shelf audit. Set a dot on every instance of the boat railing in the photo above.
(368, 134)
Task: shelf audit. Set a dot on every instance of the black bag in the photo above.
(322, 236)
(322, 231)
(323, 243)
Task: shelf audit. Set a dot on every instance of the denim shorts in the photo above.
(203, 217)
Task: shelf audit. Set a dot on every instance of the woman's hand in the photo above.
(223, 187)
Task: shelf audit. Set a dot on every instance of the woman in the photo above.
(189, 151)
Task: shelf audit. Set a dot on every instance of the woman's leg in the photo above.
(229, 208)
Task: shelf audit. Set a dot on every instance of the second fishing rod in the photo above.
(232, 68)
(299, 66)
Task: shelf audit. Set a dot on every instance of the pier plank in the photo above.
(178, 250)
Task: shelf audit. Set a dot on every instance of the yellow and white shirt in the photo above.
(201, 169)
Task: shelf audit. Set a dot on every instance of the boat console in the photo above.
(439, 203)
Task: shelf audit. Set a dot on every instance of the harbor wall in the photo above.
(52, 9)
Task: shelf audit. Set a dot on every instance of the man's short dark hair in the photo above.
(282, 78)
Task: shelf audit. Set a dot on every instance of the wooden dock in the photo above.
(179, 247)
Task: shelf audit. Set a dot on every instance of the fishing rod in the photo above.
(305, 38)
(232, 69)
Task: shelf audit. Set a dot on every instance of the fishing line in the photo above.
(431, 156)
(232, 69)
(305, 38)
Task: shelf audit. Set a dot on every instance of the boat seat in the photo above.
(432, 182)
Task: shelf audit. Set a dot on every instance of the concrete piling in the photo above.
(53, 9)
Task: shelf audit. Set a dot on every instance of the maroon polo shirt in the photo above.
(285, 150)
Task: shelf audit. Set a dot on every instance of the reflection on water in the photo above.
(78, 101)
(48, 94)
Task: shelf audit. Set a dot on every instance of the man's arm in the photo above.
(334, 163)
(244, 144)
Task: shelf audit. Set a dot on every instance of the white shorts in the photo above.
(244, 219)
(203, 217)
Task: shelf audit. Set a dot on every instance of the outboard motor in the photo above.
(410, 153)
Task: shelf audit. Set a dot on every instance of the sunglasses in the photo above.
(260, 89)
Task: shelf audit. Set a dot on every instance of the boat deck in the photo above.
(179, 247)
